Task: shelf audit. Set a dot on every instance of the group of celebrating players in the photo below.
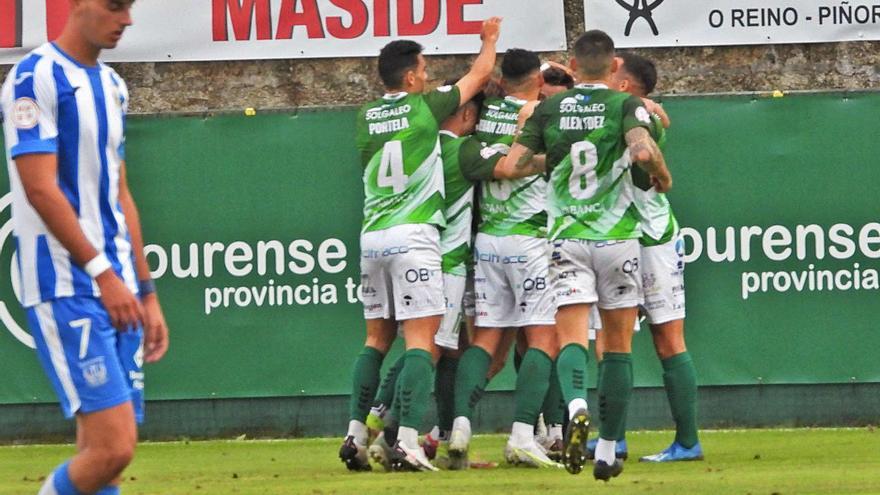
(514, 209)
(566, 224)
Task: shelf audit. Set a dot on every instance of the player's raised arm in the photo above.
(646, 154)
(473, 82)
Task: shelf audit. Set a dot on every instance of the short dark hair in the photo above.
(641, 69)
(594, 52)
(555, 76)
(518, 64)
(395, 59)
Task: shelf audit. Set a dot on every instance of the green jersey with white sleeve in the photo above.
(659, 224)
(509, 207)
(397, 137)
(582, 131)
(465, 163)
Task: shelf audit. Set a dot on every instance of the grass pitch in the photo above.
(738, 462)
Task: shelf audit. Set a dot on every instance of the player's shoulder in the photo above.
(555, 103)
(31, 75)
(26, 69)
(627, 99)
(114, 76)
(492, 103)
(471, 147)
(371, 106)
(442, 90)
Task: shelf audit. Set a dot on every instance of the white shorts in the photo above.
(469, 304)
(663, 281)
(401, 273)
(511, 282)
(450, 327)
(603, 272)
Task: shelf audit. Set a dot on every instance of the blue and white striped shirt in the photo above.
(53, 104)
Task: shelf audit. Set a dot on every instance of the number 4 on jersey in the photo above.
(391, 173)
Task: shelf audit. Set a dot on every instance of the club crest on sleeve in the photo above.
(642, 115)
(487, 153)
(444, 89)
(25, 113)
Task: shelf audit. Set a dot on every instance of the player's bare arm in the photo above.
(155, 328)
(525, 114)
(520, 156)
(38, 173)
(508, 169)
(646, 154)
(473, 82)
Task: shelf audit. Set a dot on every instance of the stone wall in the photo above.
(203, 86)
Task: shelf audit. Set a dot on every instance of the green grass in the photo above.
(738, 462)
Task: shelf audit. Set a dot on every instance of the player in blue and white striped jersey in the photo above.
(78, 241)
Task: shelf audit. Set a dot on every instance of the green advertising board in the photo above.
(253, 222)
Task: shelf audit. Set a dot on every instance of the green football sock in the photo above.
(414, 387)
(571, 366)
(385, 395)
(553, 407)
(365, 381)
(444, 391)
(680, 379)
(470, 380)
(614, 393)
(599, 367)
(531, 386)
(626, 409)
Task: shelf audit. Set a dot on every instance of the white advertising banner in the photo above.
(189, 30)
(651, 23)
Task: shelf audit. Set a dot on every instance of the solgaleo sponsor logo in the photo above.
(383, 112)
(6, 246)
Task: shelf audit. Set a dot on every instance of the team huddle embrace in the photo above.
(530, 210)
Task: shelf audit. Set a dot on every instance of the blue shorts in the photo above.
(91, 365)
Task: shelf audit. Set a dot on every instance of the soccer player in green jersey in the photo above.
(510, 279)
(397, 137)
(637, 76)
(592, 135)
(662, 252)
(466, 163)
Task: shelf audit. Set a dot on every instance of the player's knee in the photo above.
(381, 343)
(667, 343)
(111, 460)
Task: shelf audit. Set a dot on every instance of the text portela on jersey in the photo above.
(378, 119)
(273, 261)
(812, 253)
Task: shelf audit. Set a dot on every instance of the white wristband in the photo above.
(98, 265)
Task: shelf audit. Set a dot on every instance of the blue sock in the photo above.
(109, 490)
(61, 481)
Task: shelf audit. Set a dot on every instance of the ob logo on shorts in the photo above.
(417, 275)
